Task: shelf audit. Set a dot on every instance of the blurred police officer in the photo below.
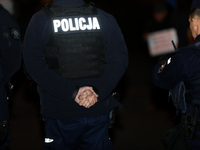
(181, 74)
(76, 54)
(10, 62)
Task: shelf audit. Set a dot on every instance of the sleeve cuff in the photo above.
(96, 90)
(75, 92)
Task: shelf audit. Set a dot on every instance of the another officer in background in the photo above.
(10, 62)
(76, 54)
(181, 74)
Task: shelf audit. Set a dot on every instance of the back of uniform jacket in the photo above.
(56, 91)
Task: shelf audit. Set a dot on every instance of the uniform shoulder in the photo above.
(6, 17)
(38, 18)
(38, 15)
(102, 11)
(107, 18)
(105, 14)
(188, 51)
(182, 50)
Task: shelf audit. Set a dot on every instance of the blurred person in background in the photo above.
(159, 21)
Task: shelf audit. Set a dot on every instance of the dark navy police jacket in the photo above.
(56, 91)
(10, 56)
(184, 66)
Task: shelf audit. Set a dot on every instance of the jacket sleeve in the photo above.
(36, 38)
(10, 45)
(172, 74)
(11, 59)
(4, 112)
(116, 56)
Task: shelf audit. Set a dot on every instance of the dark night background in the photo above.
(143, 120)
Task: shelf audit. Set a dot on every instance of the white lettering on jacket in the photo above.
(75, 24)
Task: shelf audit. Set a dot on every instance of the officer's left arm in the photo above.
(169, 74)
(116, 57)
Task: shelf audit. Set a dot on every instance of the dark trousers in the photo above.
(90, 133)
(195, 144)
(5, 145)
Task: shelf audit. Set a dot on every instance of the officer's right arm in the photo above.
(35, 40)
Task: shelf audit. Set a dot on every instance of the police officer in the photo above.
(10, 62)
(76, 54)
(181, 74)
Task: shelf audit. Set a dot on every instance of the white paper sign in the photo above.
(160, 42)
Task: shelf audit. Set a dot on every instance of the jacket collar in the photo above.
(68, 3)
